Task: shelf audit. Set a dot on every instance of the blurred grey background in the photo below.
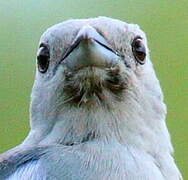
(23, 21)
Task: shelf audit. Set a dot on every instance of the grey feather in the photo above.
(17, 158)
(97, 110)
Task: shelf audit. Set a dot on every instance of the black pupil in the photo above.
(137, 44)
(43, 59)
(139, 50)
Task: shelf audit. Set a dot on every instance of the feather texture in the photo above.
(96, 112)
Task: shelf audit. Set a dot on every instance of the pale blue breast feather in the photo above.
(28, 171)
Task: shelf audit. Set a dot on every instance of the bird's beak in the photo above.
(89, 49)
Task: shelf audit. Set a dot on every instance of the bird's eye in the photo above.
(139, 50)
(43, 58)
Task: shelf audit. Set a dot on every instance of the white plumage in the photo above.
(97, 110)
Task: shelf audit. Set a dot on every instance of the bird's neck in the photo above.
(128, 123)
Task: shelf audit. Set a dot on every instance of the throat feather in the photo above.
(94, 86)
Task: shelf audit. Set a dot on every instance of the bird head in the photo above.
(94, 76)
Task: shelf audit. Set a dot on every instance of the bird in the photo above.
(97, 109)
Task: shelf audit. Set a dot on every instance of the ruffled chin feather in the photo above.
(93, 86)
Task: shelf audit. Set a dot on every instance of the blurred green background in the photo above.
(23, 21)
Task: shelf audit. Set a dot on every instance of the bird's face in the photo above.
(91, 70)
(90, 62)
